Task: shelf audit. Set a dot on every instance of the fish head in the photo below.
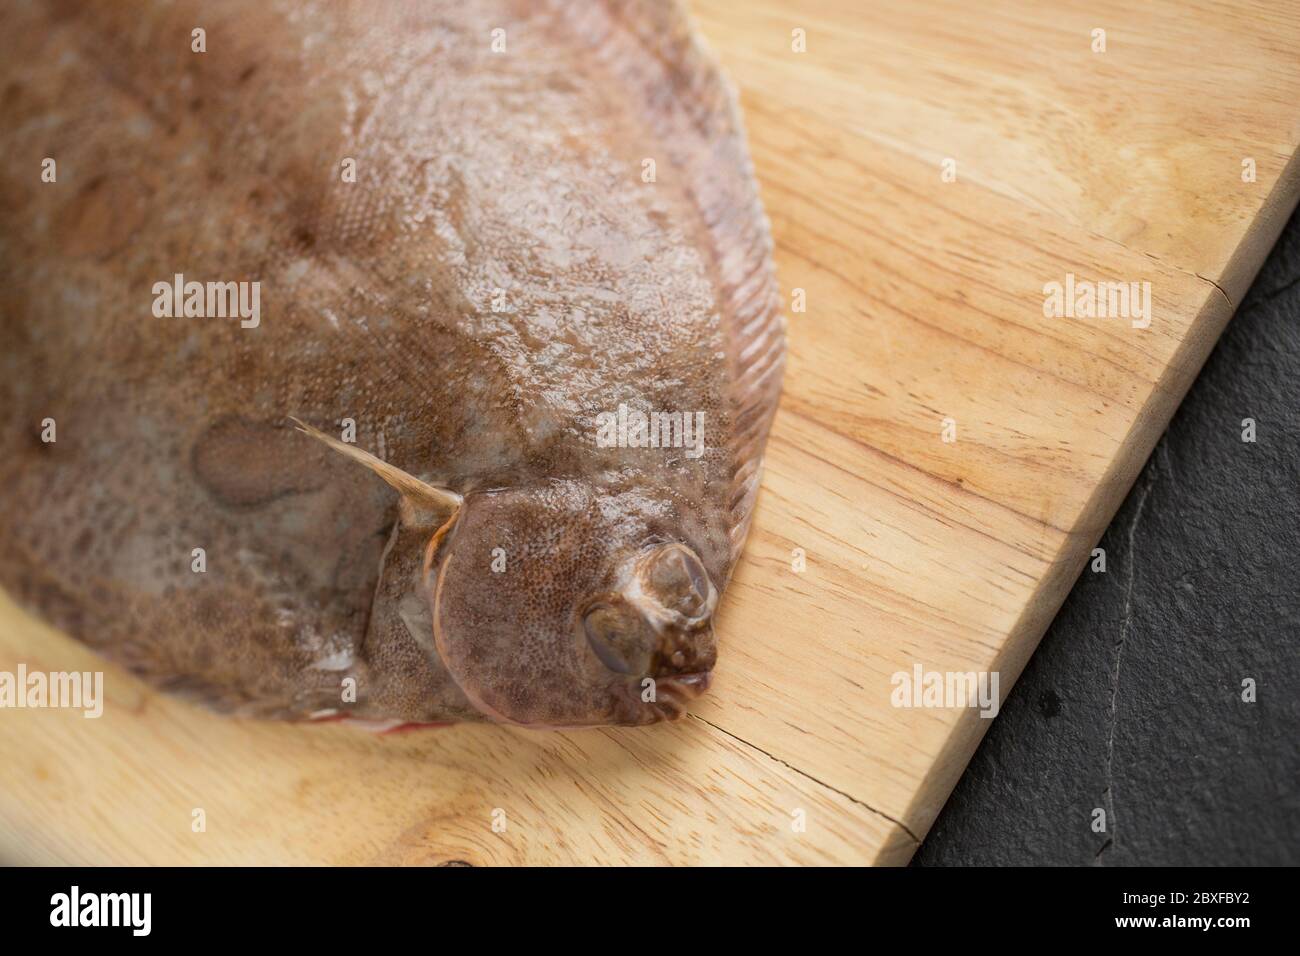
(566, 606)
(657, 627)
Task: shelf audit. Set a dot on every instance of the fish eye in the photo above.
(617, 635)
(678, 580)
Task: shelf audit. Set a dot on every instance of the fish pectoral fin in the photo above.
(423, 505)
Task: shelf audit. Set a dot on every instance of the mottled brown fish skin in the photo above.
(498, 276)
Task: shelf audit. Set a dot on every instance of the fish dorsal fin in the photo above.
(423, 505)
(700, 120)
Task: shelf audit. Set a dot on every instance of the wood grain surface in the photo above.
(925, 302)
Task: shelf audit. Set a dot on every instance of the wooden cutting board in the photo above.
(924, 303)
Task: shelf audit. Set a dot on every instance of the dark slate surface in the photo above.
(1133, 701)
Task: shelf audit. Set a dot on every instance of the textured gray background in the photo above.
(1133, 700)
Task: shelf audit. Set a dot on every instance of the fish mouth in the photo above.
(674, 693)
